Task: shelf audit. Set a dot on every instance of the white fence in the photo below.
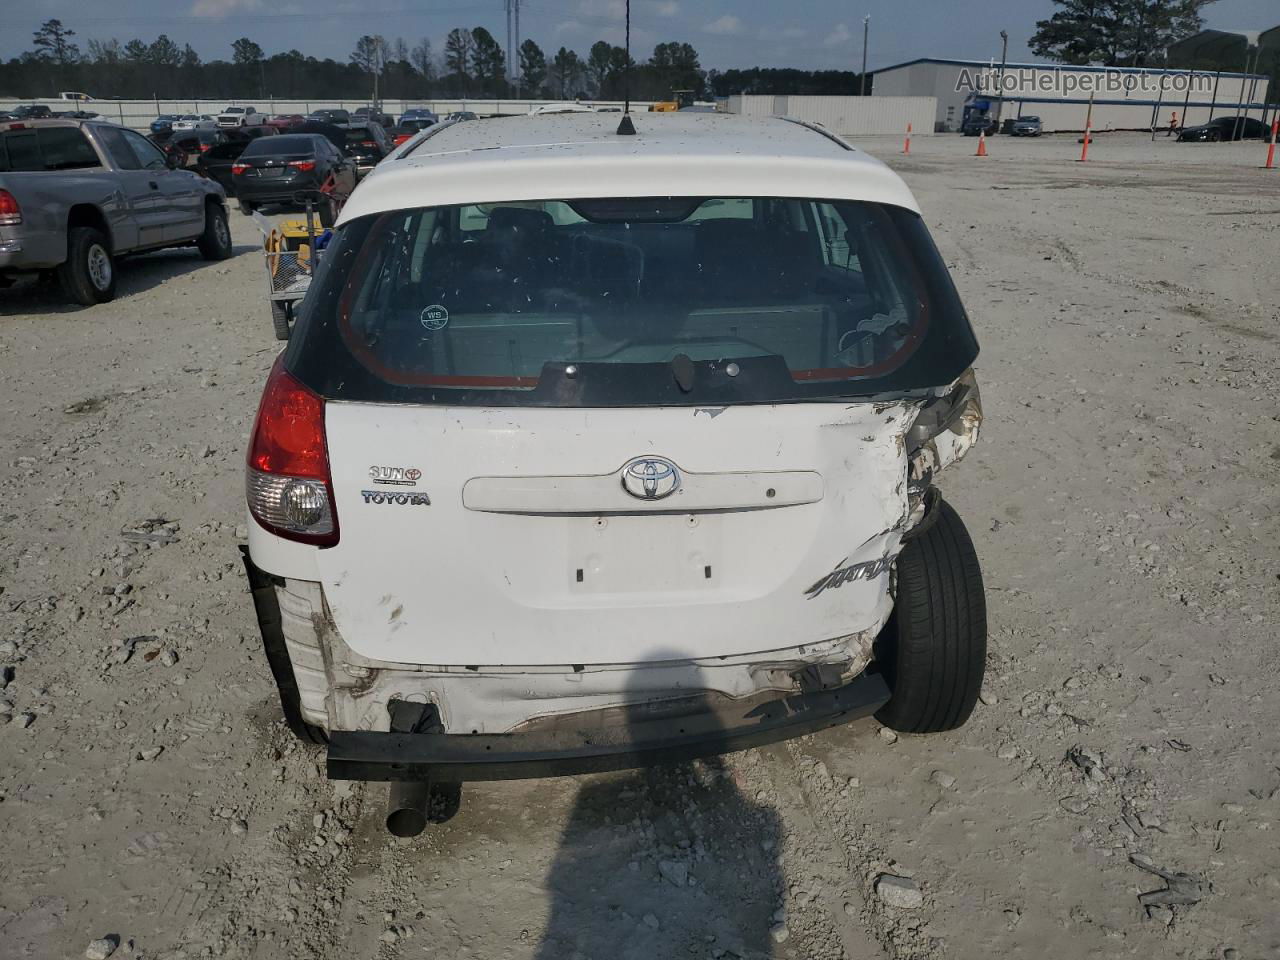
(138, 114)
(847, 116)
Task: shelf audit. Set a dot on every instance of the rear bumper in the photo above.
(273, 191)
(29, 249)
(369, 755)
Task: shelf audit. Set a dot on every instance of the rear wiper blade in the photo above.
(682, 370)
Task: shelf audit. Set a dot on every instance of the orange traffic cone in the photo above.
(906, 145)
(982, 144)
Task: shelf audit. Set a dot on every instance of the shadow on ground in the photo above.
(670, 861)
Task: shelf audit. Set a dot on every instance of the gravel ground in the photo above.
(1123, 499)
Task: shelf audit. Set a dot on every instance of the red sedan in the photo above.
(286, 121)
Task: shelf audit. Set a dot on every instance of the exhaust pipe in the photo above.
(407, 802)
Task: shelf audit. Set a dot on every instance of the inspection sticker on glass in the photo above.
(434, 317)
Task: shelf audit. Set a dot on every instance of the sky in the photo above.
(811, 34)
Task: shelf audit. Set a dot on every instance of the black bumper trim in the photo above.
(370, 755)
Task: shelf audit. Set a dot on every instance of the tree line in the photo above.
(469, 63)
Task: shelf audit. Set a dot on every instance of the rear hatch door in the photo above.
(474, 536)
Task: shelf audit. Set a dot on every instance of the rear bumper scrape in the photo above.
(370, 755)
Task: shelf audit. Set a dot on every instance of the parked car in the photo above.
(216, 163)
(239, 117)
(275, 170)
(77, 114)
(164, 122)
(419, 115)
(1226, 128)
(329, 116)
(187, 145)
(32, 111)
(372, 115)
(407, 131)
(504, 356)
(251, 133)
(286, 121)
(195, 121)
(977, 124)
(367, 144)
(462, 115)
(1026, 127)
(77, 194)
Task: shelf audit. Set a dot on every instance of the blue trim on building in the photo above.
(1171, 102)
(1067, 67)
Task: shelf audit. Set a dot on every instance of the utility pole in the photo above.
(510, 62)
(862, 77)
(1004, 53)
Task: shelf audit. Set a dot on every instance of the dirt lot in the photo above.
(1123, 499)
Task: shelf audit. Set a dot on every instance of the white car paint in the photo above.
(239, 117)
(530, 585)
(570, 155)
(195, 123)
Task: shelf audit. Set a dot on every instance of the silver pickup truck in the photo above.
(76, 194)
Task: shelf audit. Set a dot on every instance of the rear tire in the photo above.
(280, 319)
(89, 274)
(329, 213)
(933, 650)
(215, 242)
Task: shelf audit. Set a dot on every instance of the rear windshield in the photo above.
(632, 302)
(46, 148)
(263, 146)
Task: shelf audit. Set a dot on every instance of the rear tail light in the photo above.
(10, 212)
(303, 165)
(239, 167)
(205, 147)
(287, 482)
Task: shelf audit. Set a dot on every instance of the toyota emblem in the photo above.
(650, 478)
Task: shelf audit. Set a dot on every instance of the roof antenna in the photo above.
(625, 127)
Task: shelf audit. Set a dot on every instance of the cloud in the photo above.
(610, 9)
(726, 25)
(787, 33)
(837, 36)
(667, 8)
(217, 9)
(569, 26)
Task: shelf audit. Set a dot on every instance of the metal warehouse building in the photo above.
(1123, 97)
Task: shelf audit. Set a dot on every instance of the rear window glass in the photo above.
(263, 146)
(805, 297)
(225, 151)
(46, 148)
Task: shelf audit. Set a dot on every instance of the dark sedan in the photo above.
(328, 116)
(367, 144)
(1225, 128)
(275, 170)
(216, 163)
(188, 145)
(372, 115)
